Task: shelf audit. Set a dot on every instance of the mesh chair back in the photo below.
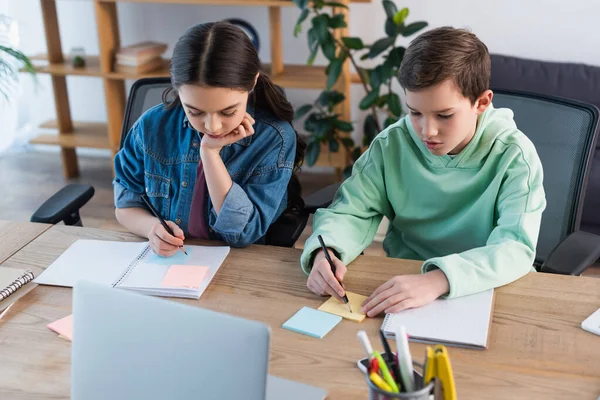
(564, 133)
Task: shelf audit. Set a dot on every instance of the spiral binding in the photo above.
(16, 284)
(386, 321)
(131, 267)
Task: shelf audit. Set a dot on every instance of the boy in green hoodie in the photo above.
(459, 183)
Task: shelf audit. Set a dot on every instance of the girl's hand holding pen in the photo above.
(162, 242)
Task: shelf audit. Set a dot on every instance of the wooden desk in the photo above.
(537, 348)
(14, 235)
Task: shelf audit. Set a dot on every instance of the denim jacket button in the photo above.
(195, 145)
(178, 221)
(184, 184)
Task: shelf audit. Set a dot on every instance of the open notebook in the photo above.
(462, 322)
(132, 266)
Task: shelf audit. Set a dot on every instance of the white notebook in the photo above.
(130, 265)
(462, 322)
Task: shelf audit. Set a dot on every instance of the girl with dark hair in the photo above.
(218, 158)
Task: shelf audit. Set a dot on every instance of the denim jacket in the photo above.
(160, 156)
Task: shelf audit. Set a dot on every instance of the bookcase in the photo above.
(74, 134)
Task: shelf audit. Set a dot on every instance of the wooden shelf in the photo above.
(293, 76)
(268, 3)
(85, 134)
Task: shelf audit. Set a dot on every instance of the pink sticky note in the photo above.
(184, 276)
(64, 327)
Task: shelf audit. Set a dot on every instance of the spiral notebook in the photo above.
(132, 266)
(14, 284)
(461, 322)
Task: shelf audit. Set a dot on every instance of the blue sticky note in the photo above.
(178, 258)
(312, 322)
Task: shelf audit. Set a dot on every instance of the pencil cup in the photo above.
(422, 394)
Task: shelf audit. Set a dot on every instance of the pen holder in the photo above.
(423, 393)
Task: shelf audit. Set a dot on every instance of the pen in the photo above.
(404, 359)
(386, 348)
(380, 383)
(162, 221)
(386, 373)
(365, 343)
(330, 261)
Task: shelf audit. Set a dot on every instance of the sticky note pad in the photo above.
(184, 276)
(311, 322)
(64, 327)
(334, 306)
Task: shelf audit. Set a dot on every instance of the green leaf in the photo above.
(389, 121)
(347, 172)
(400, 16)
(320, 26)
(380, 46)
(313, 45)
(375, 78)
(369, 99)
(337, 21)
(343, 126)
(318, 4)
(335, 4)
(364, 57)
(302, 111)
(370, 130)
(310, 123)
(301, 18)
(381, 100)
(390, 8)
(413, 28)
(334, 146)
(301, 3)
(394, 104)
(391, 29)
(354, 43)
(347, 142)
(329, 48)
(395, 56)
(312, 152)
(330, 98)
(335, 70)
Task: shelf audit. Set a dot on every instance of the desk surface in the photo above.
(537, 348)
(14, 235)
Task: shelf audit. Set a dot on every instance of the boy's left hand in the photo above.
(406, 291)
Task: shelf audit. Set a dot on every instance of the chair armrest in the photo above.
(64, 205)
(574, 254)
(320, 199)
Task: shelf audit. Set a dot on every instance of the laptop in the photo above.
(132, 346)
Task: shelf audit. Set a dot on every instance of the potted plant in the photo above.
(11, 61)
(324, 125)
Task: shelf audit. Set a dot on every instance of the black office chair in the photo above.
(564, 133)
(64, 206)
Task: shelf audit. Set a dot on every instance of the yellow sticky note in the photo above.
(184, 276)
(333, 306)
(64, 327)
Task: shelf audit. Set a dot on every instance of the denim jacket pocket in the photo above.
(158, 191)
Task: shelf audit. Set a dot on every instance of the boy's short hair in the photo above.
(447, 53)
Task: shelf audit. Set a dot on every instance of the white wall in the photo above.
(564, 32)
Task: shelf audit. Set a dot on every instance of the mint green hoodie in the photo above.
(476, 216)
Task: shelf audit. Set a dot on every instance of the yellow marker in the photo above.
(429, 372)
(386, 373)
(444, 372)
(380, 383)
